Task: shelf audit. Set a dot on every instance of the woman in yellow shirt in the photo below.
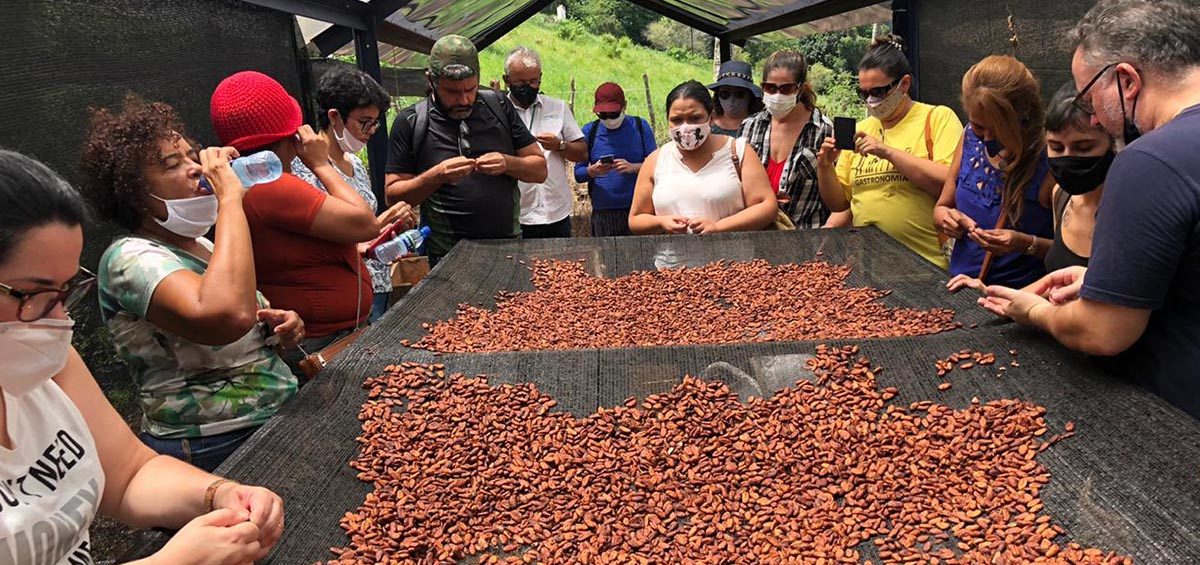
(901, 159)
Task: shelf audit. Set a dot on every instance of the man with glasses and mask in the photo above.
(1137, 65)
(617, 146)
(545, 207)
(459, 154)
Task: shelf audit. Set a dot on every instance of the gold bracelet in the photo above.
(211, 492)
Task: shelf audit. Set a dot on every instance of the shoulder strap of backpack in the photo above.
(495, 104)
(641, 136)
(591, 137)
(420, 125)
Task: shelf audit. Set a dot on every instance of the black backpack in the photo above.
(419, 121)
(596, 125)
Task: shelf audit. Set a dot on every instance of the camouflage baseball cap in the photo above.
(451, 51)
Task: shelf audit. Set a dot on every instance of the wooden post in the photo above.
(572, 95)
(650, 104)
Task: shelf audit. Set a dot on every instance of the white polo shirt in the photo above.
(551, 201)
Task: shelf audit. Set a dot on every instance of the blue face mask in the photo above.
(993, 147)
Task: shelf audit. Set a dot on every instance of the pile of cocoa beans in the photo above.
(826, 471)
(718, 303)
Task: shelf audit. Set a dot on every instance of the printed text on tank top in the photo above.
(50, 481)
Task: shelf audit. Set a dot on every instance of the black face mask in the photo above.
(993, 147)
(524, 94)
(1080, 175)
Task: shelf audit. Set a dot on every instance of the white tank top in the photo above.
(712, 193)
(50, 482)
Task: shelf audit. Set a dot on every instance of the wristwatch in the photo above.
(562, 145)
(1032, 246)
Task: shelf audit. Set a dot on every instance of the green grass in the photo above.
(570, 52)
(592, 60)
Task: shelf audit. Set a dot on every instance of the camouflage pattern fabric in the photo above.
(453, 50)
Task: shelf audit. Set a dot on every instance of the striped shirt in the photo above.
(799, 181)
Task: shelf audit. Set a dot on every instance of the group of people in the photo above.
(213, 331)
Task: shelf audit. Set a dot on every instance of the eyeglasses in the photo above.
(464, 144)
(35, 305)
(368, 126)
(1085, 104)
(784, 89)
(878, 91)
(536, 83)
(727, 93)
(608, 115)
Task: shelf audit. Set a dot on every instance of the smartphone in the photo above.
(385, 236)
(607, 159)
(843, 133)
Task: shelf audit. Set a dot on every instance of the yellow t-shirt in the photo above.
(881, 196)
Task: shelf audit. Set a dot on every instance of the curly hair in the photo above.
(118, 148)
(344, 89)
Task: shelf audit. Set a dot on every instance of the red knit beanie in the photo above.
(250, 110)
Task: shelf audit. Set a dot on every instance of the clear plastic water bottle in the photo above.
(259, 168)
(402, 245)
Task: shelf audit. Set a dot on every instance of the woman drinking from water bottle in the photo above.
(183, 310)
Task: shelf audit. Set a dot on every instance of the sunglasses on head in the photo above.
(464, 139)
(608, 115)
(878, 91)
(787, 89)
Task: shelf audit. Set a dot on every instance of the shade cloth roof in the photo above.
(413, 25)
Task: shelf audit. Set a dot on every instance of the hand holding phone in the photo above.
(844, 130)
(607, 159)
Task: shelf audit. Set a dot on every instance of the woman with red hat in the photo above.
(305, 240)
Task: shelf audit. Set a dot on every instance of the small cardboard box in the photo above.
(407, 272)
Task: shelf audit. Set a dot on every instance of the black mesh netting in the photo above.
(62, 57)
(1128, 481)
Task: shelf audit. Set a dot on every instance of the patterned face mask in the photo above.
(690, 136)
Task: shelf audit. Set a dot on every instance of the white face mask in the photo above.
(690, 136)
(882, 108)
(614, 123)
(347, 142)
(34, 352)
(779, 105)
(190, 217)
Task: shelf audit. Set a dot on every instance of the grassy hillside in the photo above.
(569, 52)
